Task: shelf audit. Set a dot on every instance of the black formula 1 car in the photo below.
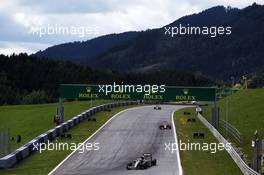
(141, 163)
(157, 107)
(165, 125)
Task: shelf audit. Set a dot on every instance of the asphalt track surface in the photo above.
(126, 137)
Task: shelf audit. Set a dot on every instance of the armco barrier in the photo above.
(51, 134)
(245, 169)
(23, 152)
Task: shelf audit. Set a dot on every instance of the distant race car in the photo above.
(193, 102)
(141, 163)
(165, 125)
(157, 107)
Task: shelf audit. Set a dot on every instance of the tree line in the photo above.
(26, 79)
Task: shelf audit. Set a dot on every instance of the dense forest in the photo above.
(81, 52)
(220, 58)
(256, 80)
(25, 79)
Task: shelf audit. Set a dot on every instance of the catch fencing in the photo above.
(232, 130)
(245, 169)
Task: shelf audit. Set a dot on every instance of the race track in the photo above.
(124, 138)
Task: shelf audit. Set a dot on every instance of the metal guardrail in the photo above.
(245, 169)
(26, 150)
(232, 130)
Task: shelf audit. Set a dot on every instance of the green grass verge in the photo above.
(42, 164)
(201, 162)
(246, 113)
(30, 121)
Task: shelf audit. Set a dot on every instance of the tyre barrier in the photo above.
(26, 150)
(51, 134)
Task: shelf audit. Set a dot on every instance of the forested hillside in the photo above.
(220, 57)
(26, 79)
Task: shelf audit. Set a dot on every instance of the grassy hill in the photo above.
(30, 121)
(246, 113)
(200, 161)
(43, 163)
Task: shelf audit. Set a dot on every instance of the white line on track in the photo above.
(91, 137)
(176, 142)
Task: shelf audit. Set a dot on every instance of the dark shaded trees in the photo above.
(26, 79)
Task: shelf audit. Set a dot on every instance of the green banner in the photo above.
(165, 93)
